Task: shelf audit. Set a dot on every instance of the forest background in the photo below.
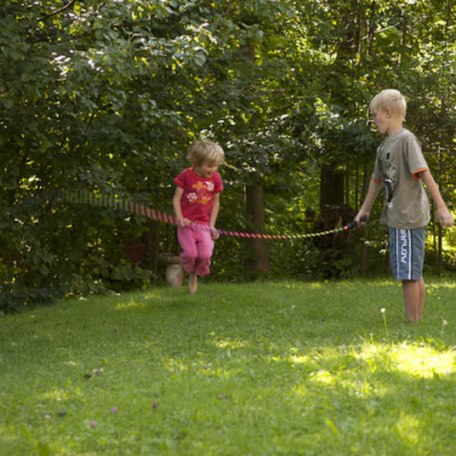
(106, 96)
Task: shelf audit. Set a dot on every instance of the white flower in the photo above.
(192, 197)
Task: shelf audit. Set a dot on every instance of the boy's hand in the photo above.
(445, 217)
(361, 217)
(214, 233)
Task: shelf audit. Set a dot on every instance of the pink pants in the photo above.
(197, 247)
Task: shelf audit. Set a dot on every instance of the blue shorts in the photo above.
(406, 249)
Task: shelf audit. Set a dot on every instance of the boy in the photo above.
(401, 169)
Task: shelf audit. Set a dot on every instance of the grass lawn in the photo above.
(285, 368)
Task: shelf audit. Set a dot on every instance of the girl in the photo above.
(196, 204)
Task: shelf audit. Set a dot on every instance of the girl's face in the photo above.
(206, 169)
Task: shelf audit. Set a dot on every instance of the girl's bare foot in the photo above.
(193, 283)
(175, 275)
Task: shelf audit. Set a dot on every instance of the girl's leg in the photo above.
(193, 283)
(175, 275)
(205, 247)
(187, 241)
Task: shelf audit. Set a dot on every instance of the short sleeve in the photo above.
(377, 175)
(415, 159)
(181, 179)
(218, 184)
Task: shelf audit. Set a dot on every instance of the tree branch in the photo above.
(58, 11)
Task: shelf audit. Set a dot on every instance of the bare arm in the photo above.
(214, 215)
(181, 220)
(444, 215)
(369, 200)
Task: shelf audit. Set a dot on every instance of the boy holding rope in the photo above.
(196, 204)
(401, 169)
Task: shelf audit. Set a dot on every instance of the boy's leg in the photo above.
(422, 288)
(414, 291)
(407, 258)
(205, 247)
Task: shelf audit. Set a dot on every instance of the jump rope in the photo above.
(115, 202)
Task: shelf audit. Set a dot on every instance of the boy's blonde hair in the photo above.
(205, 152)
(390, 99)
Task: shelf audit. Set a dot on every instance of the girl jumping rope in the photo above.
(196, 204)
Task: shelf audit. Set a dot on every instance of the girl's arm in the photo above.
(443, 214)
(181, 220)
(214, 215)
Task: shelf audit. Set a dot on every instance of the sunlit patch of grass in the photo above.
(409, 427)
(324, 377)
(230, 344)
(299, 359)
(441, 285)
(130, 305)
(57, 394)
(423, 360)
(175, 365)
(418, 360)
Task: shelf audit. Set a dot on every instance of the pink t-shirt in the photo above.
(199, 192)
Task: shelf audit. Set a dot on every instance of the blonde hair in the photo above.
(389, 99)
(205, 152)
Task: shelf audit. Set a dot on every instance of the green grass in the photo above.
(254, 369)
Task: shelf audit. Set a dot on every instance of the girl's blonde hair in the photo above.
(390, 99)
(205, 152)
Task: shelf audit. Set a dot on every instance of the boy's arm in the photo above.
(443, 214)
(214, 215)
(181, 221)
(369, 200)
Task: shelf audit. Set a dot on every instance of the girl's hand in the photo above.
(183, 222)
(214, 233)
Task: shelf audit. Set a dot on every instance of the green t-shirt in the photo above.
(398, 164)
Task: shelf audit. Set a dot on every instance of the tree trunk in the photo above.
(256, 259)
(331, 186)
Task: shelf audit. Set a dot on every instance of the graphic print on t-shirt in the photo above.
(390, 173)
(202, 194)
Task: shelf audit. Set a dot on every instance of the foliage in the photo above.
(106, 96)
(313, 365)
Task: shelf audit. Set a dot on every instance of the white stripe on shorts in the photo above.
(404, 251)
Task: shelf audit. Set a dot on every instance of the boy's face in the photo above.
(382, 119)
(388, 122)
